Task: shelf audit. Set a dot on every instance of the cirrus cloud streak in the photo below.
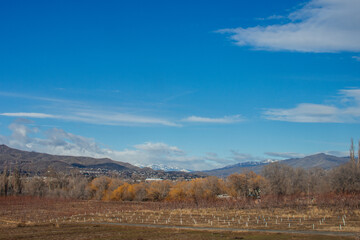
(102, 118)
(225, 120)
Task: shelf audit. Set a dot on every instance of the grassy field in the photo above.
(36, 218)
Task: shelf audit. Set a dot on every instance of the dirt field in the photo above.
(34, 218)
(79, 231)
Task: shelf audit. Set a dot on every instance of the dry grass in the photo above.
(29, 212)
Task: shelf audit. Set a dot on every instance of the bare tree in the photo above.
(36, 187)
(78, 188)
(346, 178)
(358, 161)
(352, 153)
(238, 185)
(299, 181)
(4, 181)
(281, 178)
(318, 181)
(140, 191)
(17, 181)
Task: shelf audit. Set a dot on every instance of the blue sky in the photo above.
(194, 84)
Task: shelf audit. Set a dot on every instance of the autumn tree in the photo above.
(245, 184)
(209, 188)
(124, 192)
(99, 187)
(113, 184)
(158, 190)
(256, 183)
(180, 191)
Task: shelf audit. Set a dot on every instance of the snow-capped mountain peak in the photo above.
(163, 167)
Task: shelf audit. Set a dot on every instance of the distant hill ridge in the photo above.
(34, 162)
(320, 160)
(41, 162)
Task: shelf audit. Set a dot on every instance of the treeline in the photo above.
(277, 180)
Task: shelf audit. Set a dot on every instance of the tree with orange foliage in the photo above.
(125, 192)
(180, 191)
(158, 190)
(245, 184)
(99, 187)
(113, 184)
(255, 184)
(206, 188)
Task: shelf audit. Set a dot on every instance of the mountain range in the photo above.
(163, 167)
(319, 160)
(39, 163)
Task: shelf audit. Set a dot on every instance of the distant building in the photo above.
(153, 179)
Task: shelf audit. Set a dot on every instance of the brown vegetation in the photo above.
(278, 185)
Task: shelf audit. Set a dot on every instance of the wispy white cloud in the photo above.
(31, 97)
(319, 26)
(30, 115)
(305, 112)
(244, 157)
(159, 148)
(272, 17)
(357, 58)
(116, 118)
(67, 110)
(285, 154)
(102, 118)
(346, 110)
(351, 93)
(337, 153)
(226, 119)
(76, 111)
